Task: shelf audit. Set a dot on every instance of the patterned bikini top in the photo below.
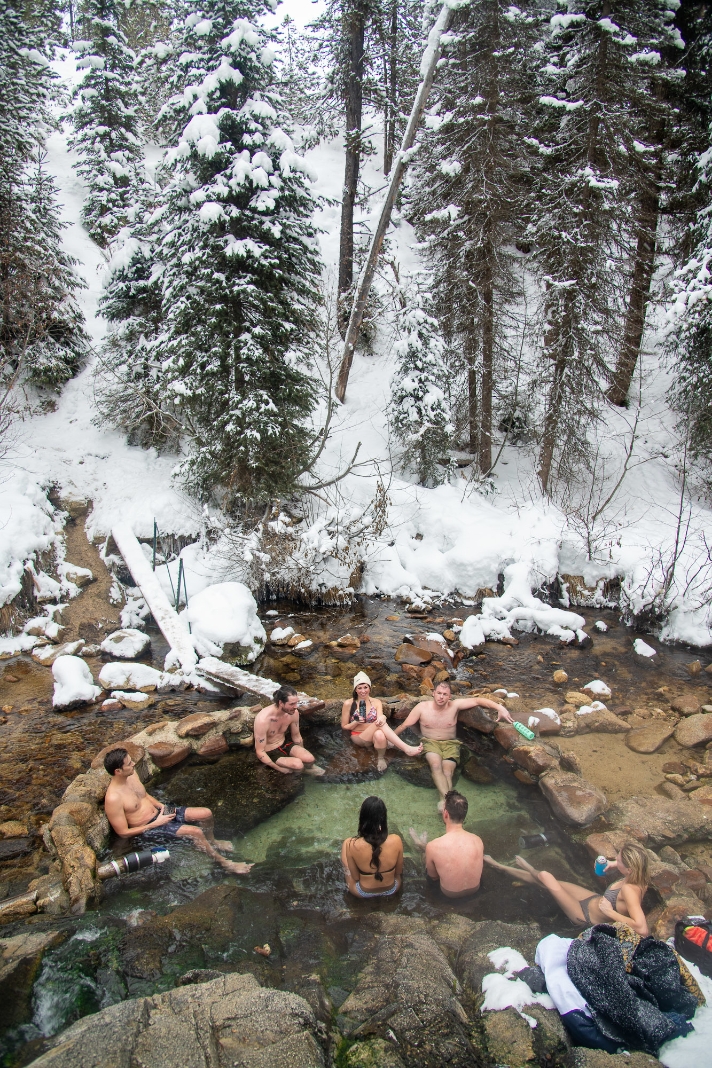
(364, 714)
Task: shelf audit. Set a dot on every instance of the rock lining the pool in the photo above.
(78, 828)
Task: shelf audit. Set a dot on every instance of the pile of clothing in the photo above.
(615, 989)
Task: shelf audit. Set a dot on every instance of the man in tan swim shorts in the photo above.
(438, 725)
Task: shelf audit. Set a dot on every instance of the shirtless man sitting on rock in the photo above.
(454, 859)
(438, 725)
(271, 744)
(132, 811)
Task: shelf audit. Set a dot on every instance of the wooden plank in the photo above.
(172, 626)
(237, 680)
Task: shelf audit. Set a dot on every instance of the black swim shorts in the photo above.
(171, 828)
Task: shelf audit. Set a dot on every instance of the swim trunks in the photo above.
(171, 828)
(448, 749)
(284, 749)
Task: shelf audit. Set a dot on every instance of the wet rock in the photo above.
(534, 758)
(509, 1038)
(16, 908)
(47, 654)
(473, 962)
(20, 960)
(374, 1053)
(667, 822)
(198, 975)
(606, 843)
(669, 789)
(347, 641)
(111, 705)
(572, 799)
(695, 667)
(416, 772)
(704, 795)
(598, 689)
(405, 705)
(136, 752)
(14, 847)
(240, 791)
(473, 771)
(507, 736)
(51, 897)
(231, 1020)
(165, 755)
(478, 719)
(135, 700)
(408, 988)
(650, 738)
(296, 639)
(524, 777)
(575, 698)
(598, 1058)
(695, 730)
(195, 725)
(13, 829)
(673, 767)
(214, 747)
(408, 654)
(560, 677)
(686, 706)
(570, 761)
(600, 721)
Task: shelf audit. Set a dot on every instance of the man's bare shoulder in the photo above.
(114, 793)
(422, 706)
(264, 713)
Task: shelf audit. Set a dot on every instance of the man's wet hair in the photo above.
(282, 695)
(456, 806)
(445, 682)
(114, 759)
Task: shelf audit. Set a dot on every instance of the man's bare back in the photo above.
(455, 859)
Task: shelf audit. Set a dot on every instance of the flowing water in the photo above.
(153, 927)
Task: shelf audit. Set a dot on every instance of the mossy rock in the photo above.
(376, 1053)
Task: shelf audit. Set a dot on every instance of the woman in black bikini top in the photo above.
(621, 902)
(373, 859)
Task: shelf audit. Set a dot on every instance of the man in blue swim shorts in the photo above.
(132, 811)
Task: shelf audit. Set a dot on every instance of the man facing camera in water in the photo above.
(438, 725)
(273, 748)
(455, 859)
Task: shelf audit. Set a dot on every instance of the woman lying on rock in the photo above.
(373, 860)
(363, 717)
(621, 902)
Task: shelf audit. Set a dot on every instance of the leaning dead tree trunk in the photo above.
(427, 73)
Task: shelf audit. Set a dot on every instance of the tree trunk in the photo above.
(389, 124)
(551, 421)
(472, 406)
(485, 442)
(354, 34)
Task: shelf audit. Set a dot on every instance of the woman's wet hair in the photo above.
(114, 760)
(282, 695)
(373, 828)
(456, 806)
(635, 858)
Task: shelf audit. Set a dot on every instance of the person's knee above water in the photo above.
(364, 718)
(437, 719)
(373, 858)
(454, 859)
(132, 811)
(622, 902)
(272, 746)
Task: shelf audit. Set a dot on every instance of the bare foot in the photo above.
(237, 867)
(413, 750)
(441, 804)
(224, 846)
(381, 764)
(419, 840)
(315, 771)
(526, 866)
(492, 862)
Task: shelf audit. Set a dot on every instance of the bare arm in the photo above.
(484, 702)
(431, 870)
(633, 896)
(411, 719)
(346, 715)
(116, 816)
(399, 862)
(296, 733)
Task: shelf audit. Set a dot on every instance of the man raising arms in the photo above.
(131, 811)
(271, 744)
(455, 859)
(438, 725)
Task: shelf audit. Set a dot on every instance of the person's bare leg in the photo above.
(436, 770)
(204, 817)
(198, 838)
(449, 768)
(309, 766)
(567, 896)
(419, 840)
(380, 744)
(395, 740)
(526, 866)
(516, 873)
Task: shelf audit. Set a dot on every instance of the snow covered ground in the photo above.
(443, 540)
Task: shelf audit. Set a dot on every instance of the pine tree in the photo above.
(419, 411)
(42, 339)
(233, 256)
(468, 198)
(105, 122)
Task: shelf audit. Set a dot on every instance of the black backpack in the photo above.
(699, 955)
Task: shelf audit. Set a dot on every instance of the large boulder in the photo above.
(572, 799)
(694, 730)
(229, 1021)
(20, 959)
(600, 720)
(662, 822)
(650, 738)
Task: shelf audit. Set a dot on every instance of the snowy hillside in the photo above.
(442, 540)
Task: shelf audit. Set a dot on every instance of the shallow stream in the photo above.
(151, 928)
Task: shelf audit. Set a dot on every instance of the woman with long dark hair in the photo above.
(373, 859)
(362, 715)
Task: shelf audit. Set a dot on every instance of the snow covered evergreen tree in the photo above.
(420, 418)
(468, 195)
(105, 121)
(230, 257)
(41, 334)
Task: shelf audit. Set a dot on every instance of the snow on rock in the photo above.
(643, 649)
(281, 635)
(27, 527)
(503, 991)
(133, 700)
(73, 682)
(472, 635)
(586, 710)
(21, 643)
(131, 677)
(599, 688)
(549, 712)
(600, 625)
(226, 615)
(126, 644)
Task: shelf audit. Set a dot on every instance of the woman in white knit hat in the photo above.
(363, 716)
